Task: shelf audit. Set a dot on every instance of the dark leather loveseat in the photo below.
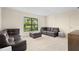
(6, 39)
(51, 31)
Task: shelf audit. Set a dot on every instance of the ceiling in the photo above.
(44, 11)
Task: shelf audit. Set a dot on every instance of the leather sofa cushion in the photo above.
(52, 29)
(44, 31)
(5, 34)
(48, 29)
(50, 32)
(44, 28)
(55, 29)
(12, 32)
(2, 39)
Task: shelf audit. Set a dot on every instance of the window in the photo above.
(30, 24)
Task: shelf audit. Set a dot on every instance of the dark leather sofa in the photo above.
(50, 31)
(17, 44)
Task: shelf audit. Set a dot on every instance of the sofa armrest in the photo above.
(19, 46)
(6, 49)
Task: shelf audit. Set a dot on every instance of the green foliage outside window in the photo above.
(30, 24)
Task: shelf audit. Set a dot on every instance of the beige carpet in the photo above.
(47, 43)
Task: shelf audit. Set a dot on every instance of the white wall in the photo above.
(74, 20)
(14, 19)
(0, 19)
(67, 22)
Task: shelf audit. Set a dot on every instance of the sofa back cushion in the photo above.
(44, 28)
(13, 32)
(55, 29)
(52, 29)
(48, 29)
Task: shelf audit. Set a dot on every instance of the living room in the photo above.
(64, 18)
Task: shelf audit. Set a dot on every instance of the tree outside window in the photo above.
(30, 24)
